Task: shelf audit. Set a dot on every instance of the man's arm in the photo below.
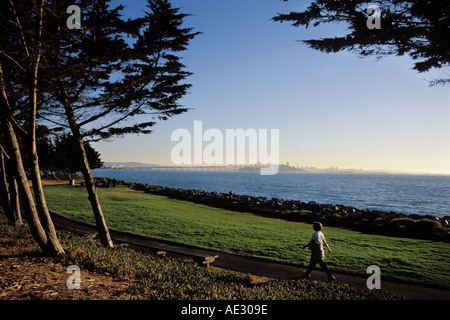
(309, 244)
(326, 244)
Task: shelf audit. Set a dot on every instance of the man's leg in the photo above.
(312, 264)
(324, 266)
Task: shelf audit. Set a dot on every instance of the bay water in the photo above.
(408, 194)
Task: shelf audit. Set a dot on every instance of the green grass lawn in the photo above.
(412, 260)
(154, 277)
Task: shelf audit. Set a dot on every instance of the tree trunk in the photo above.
(18, 171)
(45, 235)
(4, 191)
(55, 177)
(10, 193)
(41, 204)
(102, 229)
(46, 220)
(15, 201)
(36, 228)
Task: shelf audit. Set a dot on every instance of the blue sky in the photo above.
(331, 109)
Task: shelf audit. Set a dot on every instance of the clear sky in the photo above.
(331, 109)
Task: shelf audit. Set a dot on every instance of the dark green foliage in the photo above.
(408, 27)
(66, 159)
(109, 78)
(119, 77)
(57, 153)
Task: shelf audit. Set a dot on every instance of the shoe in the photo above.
(305, 275)
(332, 278)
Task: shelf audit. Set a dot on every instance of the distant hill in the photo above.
(130, 164)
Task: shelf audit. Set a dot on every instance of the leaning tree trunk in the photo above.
(36, 228)
(17, 169)
(45, 239)
(45, 235)
(102, 229)
(35, 172)
(41, 205)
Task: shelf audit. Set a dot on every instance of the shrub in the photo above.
(402, 223)
(429, 226)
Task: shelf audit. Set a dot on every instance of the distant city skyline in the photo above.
(330, 109)
(307, 169)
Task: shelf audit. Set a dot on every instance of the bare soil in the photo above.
(27, 274)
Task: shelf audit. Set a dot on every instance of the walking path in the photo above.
(250, 265)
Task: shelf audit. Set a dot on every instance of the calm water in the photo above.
(400, 193)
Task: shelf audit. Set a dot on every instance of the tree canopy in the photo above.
(106, 77)
(118, 76)
(57, 152)
(418, 28)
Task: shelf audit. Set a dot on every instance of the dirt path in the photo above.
(257, 267)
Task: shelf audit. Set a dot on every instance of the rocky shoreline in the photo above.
(421, 226)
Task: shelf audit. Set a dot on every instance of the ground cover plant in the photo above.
(123, 273)
(412, 260)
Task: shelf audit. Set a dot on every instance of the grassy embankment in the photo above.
(423, 262)
(129, 274)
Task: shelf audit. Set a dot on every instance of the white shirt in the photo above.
(318, 238)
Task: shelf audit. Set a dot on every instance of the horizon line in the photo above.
(329, 169)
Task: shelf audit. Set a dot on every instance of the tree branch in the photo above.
(20, 28)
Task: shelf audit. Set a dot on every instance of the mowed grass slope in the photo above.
(418, 261)
(129, 274)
